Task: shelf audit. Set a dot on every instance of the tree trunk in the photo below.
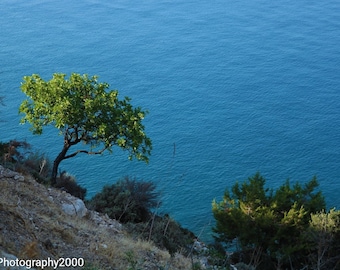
(56, 163)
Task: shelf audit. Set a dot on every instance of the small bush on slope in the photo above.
(18, 156)
(128, 200)
(165, 232)
(68, 183)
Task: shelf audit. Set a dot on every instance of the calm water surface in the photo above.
(232, 87)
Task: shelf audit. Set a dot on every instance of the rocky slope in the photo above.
(38, 223)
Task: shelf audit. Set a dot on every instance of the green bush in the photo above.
(131, 202)
(267, 224)
(128, 200)
(323, 236)
(68, 183)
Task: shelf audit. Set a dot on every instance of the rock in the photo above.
(19, 177)
(200, 247)
(74, 207)
(7, 173)
(104, 221)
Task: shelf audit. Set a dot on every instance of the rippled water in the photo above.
(232, 87)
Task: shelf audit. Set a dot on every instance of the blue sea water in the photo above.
(232, 88)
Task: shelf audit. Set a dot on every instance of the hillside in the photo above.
(38, 223)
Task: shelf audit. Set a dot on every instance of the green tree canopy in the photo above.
(324, 236)
(267, 222)
(84, 110)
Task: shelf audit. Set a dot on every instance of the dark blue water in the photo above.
(232, 87)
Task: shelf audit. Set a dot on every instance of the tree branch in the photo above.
(85, 152)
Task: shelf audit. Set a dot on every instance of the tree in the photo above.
(83, 110)
(268, 225)
(324, 237)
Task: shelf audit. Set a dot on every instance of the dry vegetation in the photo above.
(33, 226)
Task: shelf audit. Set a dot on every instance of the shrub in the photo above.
(18, 156)
(68, 183)
(165, 233)
(128, 200)
(14, 151)
(267, 223)
(323, 237)
(39, 163)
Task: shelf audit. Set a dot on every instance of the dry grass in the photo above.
(30, 251)
(33, 226)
